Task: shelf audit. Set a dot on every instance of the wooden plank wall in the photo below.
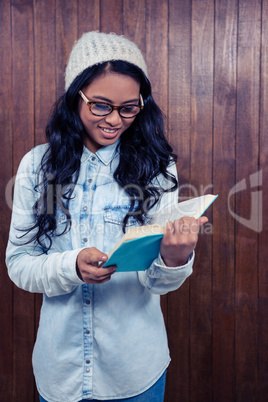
(208, 64)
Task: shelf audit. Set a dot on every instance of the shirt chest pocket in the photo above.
(113, 221)
(61, 217)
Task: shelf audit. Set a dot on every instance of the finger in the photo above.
(96, 275)
(169, 229)
(101, 263)
(99, 273)
(93, 256)
(97, 282)
(183, 225)
(192, 223)
(102, 278)
(202, 220)
(168, 233)
(169, 226)
(186, 226)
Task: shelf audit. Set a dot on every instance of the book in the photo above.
(140, 245)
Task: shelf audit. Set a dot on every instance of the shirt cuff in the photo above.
(160, 262)
(68, 267)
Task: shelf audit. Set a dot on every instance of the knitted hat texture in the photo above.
(98, 47)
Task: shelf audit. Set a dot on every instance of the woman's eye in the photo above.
(129, 108)
(101, 107)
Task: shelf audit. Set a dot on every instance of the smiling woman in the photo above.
(106, 166)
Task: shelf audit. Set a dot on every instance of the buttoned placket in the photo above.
(87, 291)
(88, 340)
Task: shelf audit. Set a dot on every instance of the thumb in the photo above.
(93, 255)
(202, 220)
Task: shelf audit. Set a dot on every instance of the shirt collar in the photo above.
(104, 154)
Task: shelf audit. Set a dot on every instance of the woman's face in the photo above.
(117, 90)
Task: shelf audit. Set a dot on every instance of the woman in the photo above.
(106, 166)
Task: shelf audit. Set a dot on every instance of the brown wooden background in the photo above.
(208, 66)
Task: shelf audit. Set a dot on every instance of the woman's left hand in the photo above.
(180, 240)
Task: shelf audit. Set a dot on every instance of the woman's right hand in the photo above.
(89, 266)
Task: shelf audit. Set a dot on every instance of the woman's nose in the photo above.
(113, 118)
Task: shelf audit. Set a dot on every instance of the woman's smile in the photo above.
(109, 132)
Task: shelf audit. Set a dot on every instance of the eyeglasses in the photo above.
(103, 109)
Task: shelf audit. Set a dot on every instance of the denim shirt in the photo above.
(102, 341)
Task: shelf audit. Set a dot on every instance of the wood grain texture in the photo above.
(6, 333)
(66, 35)
(224, 172)
(45, 65)
(157, 50)
(88, 18)
(22, 78)
(263, 236)
(134, 23)
(247, 149)
(111, 19)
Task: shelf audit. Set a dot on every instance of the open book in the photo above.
(140, 245)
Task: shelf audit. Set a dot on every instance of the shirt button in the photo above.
(90, 180)
(85, 240)
(87, 332)
(93, 158)
(85, 208)
(87, 370)
(87, 361)
(88, 302)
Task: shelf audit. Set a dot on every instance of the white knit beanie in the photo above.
(98, 47)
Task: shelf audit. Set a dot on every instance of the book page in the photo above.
(194, 207)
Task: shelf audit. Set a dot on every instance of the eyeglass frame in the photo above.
(85, 99)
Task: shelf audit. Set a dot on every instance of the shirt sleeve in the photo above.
(28, 267)
(159, 278)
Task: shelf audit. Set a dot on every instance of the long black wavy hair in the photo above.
(144, 154)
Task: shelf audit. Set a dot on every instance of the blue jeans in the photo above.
(154, 394)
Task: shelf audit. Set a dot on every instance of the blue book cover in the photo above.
(137, 254)
(140, 246)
